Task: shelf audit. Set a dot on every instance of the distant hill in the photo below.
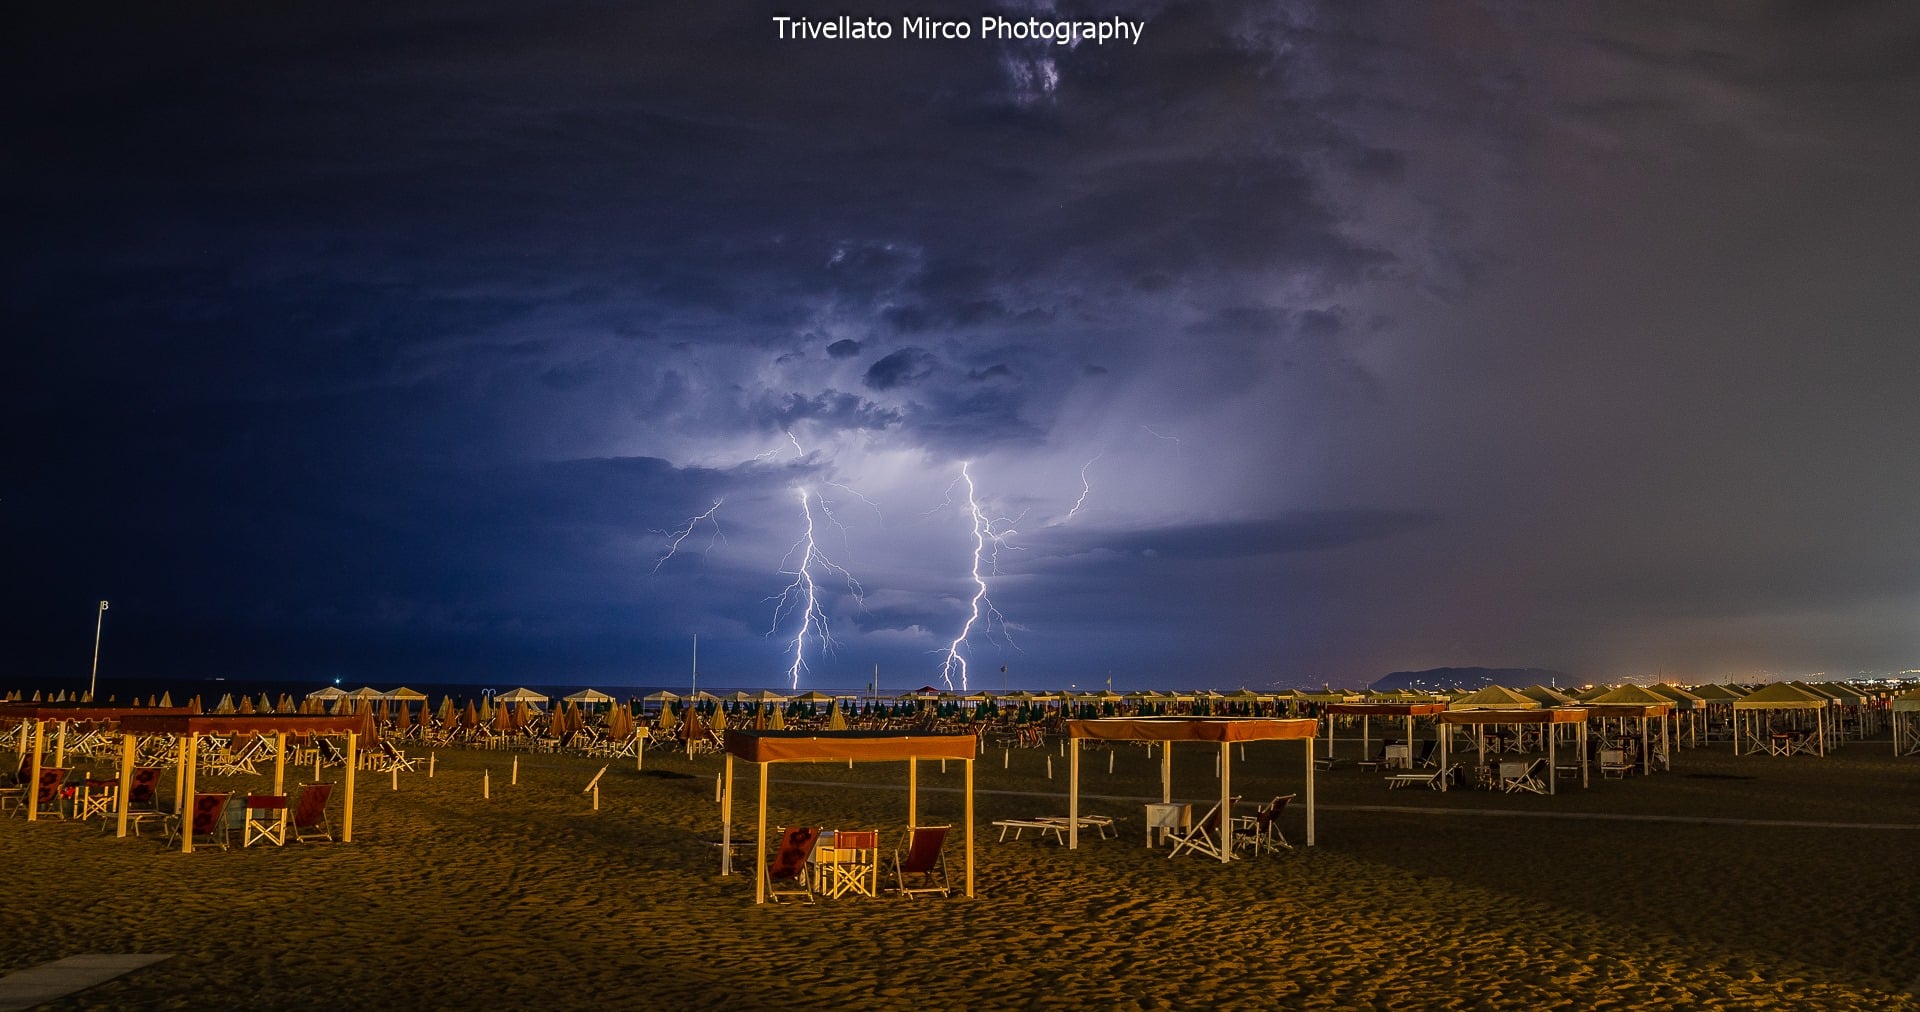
(1449, 679)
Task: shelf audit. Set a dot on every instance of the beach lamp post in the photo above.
(93, 680)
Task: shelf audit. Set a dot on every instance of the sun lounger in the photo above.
(143, 799)
(1431, 780)
(1516, 777)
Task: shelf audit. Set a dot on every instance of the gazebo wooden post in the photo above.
(1366, 736)
(1443, 731)
(190, 755)
(1226, 801)
(1553, 767)
(969, 805)
(760, 852)
(913, 791)
(60, 744)
(1311, 809)
(1582, 736)
(1166, 772)
(726, 818)
(1073, 793)
(353, 762)
(127, 743)
(280, 765)
(33, 784)
(179, 773)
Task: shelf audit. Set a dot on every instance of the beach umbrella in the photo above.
(779, 721)
(245, 707)
(836, 721)
(503, 719)
(445, 712)
(369, 730)
(225, 705)
(718, 722)
(402, 718)
(690, 729)
(667, 717)
(193, 705)
(523, 714)
(470, 716)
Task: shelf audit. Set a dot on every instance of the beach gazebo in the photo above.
(1367, 711)
(34, 718)
(521, 695)
(1223, 731)
(1754, 713)
(1547, 719)
(764, 748)
(1632, 702)
(1906, 723)
(189, 728)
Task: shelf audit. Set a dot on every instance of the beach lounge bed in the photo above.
(1614, 763)
(787, 873)
(924, 863)
(1430, 780)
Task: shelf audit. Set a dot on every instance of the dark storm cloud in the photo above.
(1304, 531)
(908, 365)
(436, 317)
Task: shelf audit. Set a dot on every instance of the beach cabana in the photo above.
(1754, 714)
(190, 728)
(764, 748)
(1632, 702)
(1906, 723)
(521, 695)
(1367, 711)
(1548, 718)
(1166, 730)
(34, 718)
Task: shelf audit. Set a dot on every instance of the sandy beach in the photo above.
(1728, 883)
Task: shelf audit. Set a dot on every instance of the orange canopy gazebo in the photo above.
(1167, 730)
(39, 715)
(189, 728)
(768, 747)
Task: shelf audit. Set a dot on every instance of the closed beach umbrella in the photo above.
(470, 716)
(779, 721)
(503, 719)
(667, 717)
(245, 707)
(446, 710)
(523, 715)
(836, 721)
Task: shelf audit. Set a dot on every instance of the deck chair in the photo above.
(855, 867)
(14, 792)
(1528, 779)
(1261, 830)
(787, 872)
(925, 862)
(1206, 834)
(48, 795)
(330, 754)
(143, 800)
(1427, 759)
(1613, 763)
(309, 822)
(209, 820)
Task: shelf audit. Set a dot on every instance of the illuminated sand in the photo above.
(533, 900)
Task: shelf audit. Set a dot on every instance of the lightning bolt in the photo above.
(1086, 489)
(1175, 440)
(803, 594)
(981, 609)
(674, 538)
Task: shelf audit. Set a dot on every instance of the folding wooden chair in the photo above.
(266, 819)
(925, 861)
(143, 799)
(853, 865)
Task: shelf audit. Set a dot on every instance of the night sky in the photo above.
(397, 342)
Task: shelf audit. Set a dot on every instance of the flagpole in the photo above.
(695, 687)
(93, 680)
